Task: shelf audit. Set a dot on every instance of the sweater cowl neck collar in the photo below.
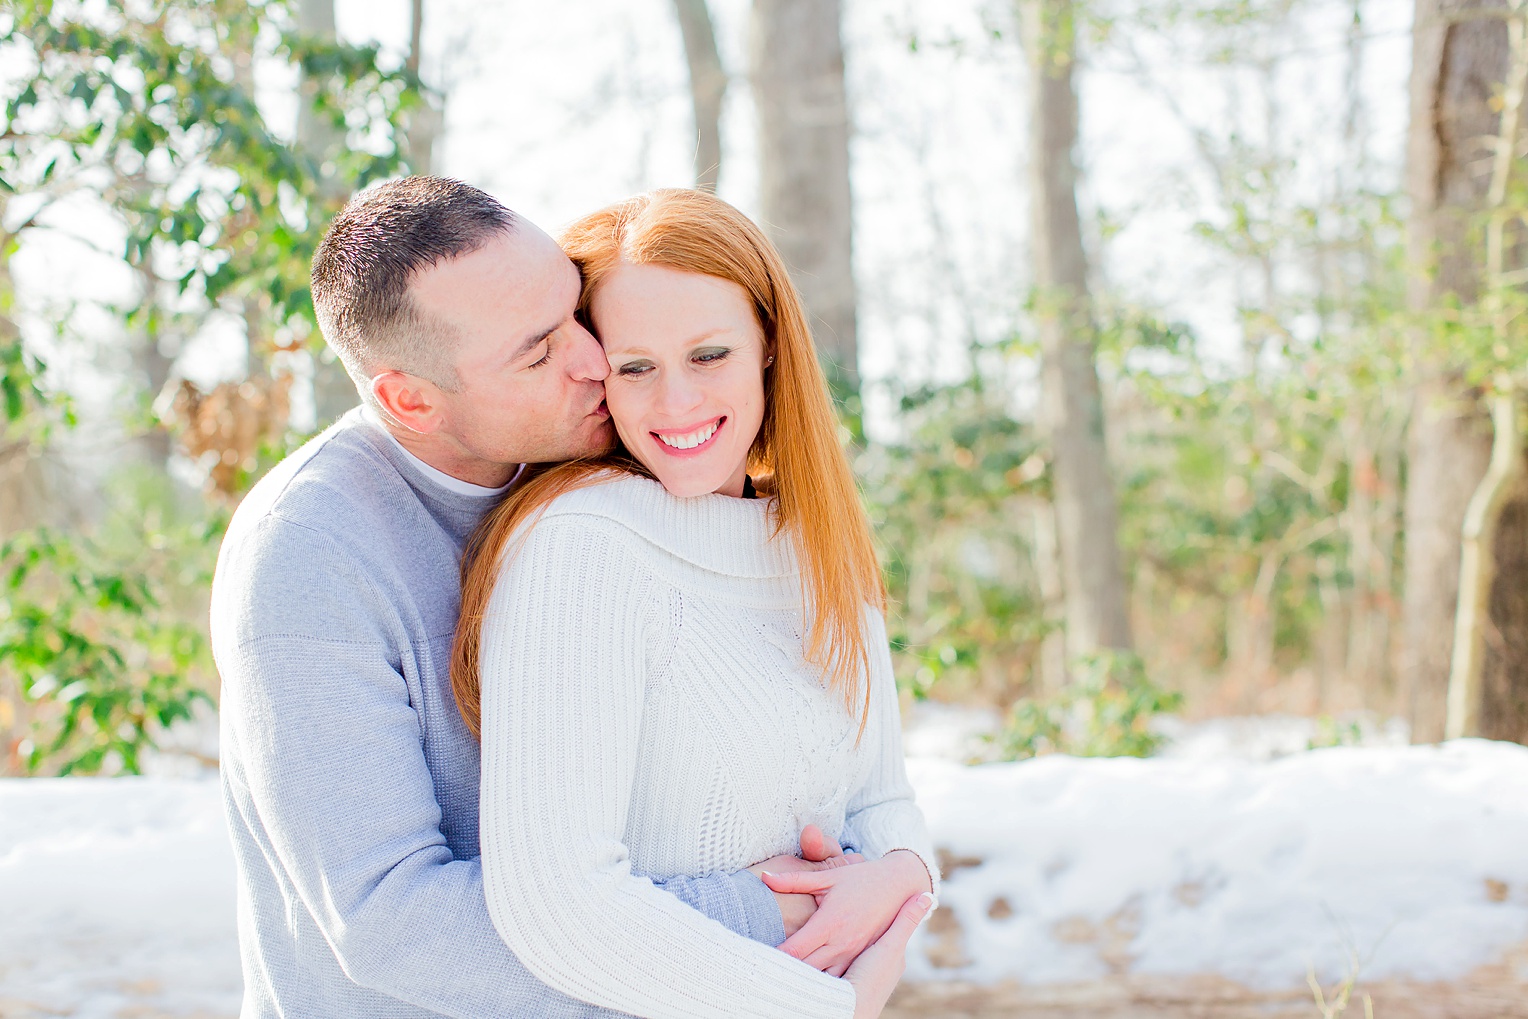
(733, 537)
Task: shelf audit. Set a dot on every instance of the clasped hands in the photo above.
(847, 916)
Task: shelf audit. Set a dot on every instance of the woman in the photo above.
(676, 677)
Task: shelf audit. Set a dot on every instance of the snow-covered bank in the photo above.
(116, 895)
(116, 898)
(1414, 858)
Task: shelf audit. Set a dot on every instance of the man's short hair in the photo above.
(362, 269)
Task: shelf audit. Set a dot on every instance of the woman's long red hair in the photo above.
(817, 504)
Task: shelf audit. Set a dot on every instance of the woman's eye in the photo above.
(711, 356)
(633, 370)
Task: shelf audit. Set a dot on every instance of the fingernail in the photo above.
(766, 873)
(927, 901)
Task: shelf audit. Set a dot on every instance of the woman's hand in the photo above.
(876, 972)
(855, 906)
(817, 851)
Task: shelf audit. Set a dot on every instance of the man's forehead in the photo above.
(523, 266)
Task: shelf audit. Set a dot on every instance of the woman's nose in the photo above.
(678, 394)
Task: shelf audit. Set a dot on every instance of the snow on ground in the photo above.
(1413, 858)
(116, 895)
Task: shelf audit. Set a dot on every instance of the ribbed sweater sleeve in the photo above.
(882, 811)
(576, 632)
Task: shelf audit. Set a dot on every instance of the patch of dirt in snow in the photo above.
(123, 1006)
(1497, 991)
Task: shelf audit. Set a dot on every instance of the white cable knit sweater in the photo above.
(646, 709)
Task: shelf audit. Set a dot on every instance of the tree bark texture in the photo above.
(427, 119)
(1071, 405)
(333, 391)
(1503, 711)
(797, 60)
(708, 87)
(1458, 64)
(153, 367)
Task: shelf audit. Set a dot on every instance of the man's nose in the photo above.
(588, 357)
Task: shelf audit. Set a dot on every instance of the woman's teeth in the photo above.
(691, 440)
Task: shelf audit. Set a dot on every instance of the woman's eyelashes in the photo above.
(633, 369)
(705, 356)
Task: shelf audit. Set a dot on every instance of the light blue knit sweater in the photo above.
(349, 779)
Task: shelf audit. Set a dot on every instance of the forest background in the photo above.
(1179, 341)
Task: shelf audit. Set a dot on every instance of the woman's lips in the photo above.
(714, 426)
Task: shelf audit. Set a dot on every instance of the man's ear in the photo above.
(413, 402)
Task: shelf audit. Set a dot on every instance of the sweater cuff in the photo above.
(760, 910)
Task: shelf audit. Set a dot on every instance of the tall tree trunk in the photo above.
(1047, 562)
(1481, 627)
(708, 87)
(333, 391)
(428, 118)
(1458, 64)
(798, 86)
(152, 367)
(1503, 694)
(1072, 408)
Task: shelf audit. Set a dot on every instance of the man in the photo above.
(350, 781)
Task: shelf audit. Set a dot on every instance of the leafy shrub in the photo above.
(88, 648)
(1106, 711)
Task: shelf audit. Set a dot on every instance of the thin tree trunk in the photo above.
(797, 60)
(1458, 63)
(1388, 515)
(1072, 408)
(1047, 560)
(1363, 651)
(333, 391)
(1477, 570)
(708, 87)
(427, 119)
(153, 368)
(316, 135)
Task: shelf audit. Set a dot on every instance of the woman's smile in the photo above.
(689, 441)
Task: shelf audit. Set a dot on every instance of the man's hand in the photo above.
(818, 852)
(855, 906)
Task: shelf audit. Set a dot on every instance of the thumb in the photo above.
(907, 920)
(817, 847)
(801, 882)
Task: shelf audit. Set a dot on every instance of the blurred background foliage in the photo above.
(1261, 496)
